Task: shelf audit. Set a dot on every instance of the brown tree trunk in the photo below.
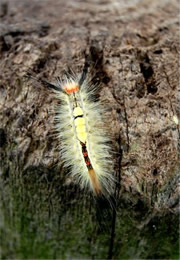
(134, 48)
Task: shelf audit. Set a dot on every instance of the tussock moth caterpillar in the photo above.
(83, 138)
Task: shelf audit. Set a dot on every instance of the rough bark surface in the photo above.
(134, 46)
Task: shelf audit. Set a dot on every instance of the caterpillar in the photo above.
(84, 141)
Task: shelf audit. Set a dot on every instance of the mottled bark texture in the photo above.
(134, 51)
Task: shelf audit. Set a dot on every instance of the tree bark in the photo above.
(134, 47)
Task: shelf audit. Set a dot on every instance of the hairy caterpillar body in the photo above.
(83, 139)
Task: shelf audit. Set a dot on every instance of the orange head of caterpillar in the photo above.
(71, 87)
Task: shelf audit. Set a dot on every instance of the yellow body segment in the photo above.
(79, 121)
(81, 129)
(82, 137)
(80, 124)
(77, 111)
